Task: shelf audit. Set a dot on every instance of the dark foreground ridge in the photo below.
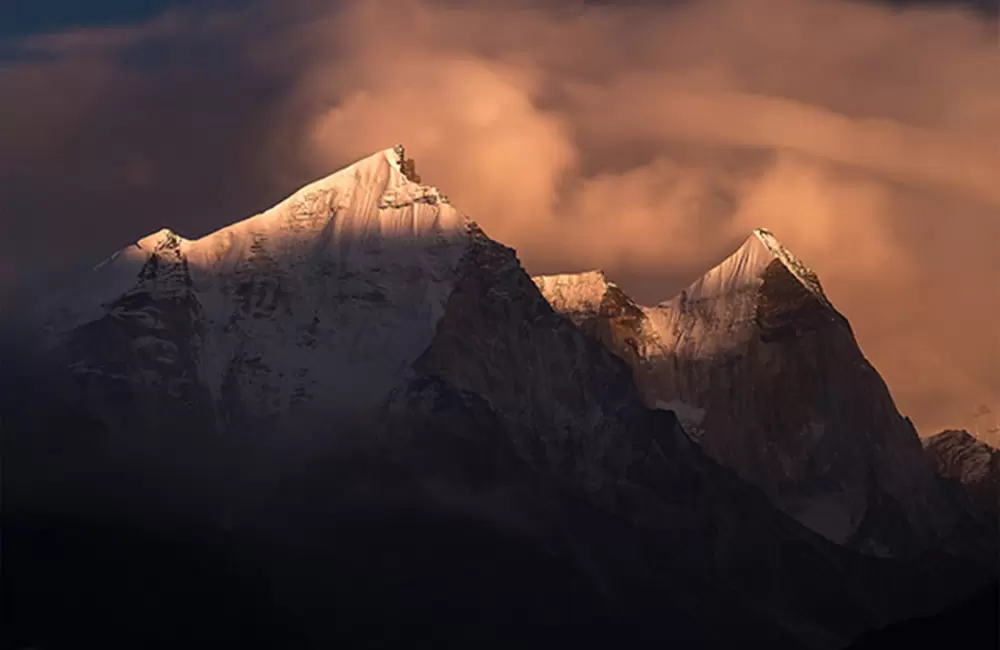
(974, 624)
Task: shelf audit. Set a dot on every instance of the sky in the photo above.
(644, 138)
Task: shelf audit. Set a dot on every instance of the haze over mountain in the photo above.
(366, 405)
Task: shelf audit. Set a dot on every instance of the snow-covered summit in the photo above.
(767, 376)
(723, 307)
(366, 210)
(804, 274)
(744, 271)
(363, 197)
(369, 205)
(334, 291)
(161, 239)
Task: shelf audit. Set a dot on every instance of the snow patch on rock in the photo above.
(574, 292)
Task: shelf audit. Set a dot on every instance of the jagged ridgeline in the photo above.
(408, 166)
(357, 412)
(767, 376)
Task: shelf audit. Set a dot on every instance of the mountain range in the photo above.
(766, 375)
(354, 418)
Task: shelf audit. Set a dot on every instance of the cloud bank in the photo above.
(647, 140)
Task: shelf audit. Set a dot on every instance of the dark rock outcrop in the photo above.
(974, 621)
(958, 456)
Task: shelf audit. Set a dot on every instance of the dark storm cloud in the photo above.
(110, 132)
(646, 138)
(21, 17)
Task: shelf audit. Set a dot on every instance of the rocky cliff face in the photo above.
(768, 377)
(959, 456)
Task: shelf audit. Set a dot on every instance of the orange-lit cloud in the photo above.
(644, 139)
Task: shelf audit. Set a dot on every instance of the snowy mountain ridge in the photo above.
(742, 271)
(336, 298)
(766, 376)
(363, 348)
(574, 292)
(365, 252)
(726, 294)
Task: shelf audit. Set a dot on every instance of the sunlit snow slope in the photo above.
(366, 257)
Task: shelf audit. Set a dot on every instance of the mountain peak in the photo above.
(766, 375)
(374, 204)
(159, 240)
(745, 270)
(367, 194)
(574, 292)
(406, 166)
(803, 273)
(370, 229)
